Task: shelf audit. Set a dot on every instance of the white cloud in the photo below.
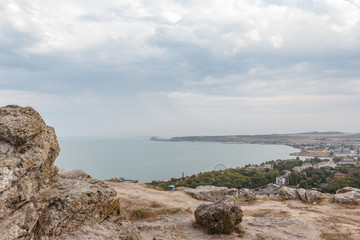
(24, 98)
(222, 28)
(289, 104)
(276, 41)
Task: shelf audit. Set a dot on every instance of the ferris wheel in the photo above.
(220, 167)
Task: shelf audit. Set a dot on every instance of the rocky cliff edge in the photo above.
(40, 201)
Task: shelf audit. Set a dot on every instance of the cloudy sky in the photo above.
(174, 68)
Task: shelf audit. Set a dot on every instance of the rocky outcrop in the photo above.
(287, 193)
(246, 192)
(309, 196)
(348, 195)
(221, 217)
(28, 151)
(74, 202)
(302, 194)
(312, 196)
(347, 189)
(234, 192)
(37, 200)
(211, 193)
(106, 230)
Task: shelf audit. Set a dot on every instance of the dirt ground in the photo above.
(169, 215)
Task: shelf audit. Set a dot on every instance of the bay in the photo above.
(138, 158)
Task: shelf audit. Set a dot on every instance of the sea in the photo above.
(138, 158)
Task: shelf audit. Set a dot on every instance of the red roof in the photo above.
(339, 175)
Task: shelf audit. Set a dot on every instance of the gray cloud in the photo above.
(269, 64)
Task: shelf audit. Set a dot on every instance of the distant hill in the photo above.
(323, 133)
(328, 137)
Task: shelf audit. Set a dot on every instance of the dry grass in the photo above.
(155, 204)
(270, 213)
(151, 213)
(188, 210)
(159, 188)
(247, 200)
(261, 213)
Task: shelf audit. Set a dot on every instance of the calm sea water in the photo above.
(145, 160)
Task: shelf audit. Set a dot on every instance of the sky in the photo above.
(176, 68)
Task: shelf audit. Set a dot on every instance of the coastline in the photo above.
(144, 160)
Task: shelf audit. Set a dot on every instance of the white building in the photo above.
(325, 164)
(302, 167)
(281, 180)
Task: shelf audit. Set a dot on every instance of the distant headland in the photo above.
(312, 144)
(291, 139)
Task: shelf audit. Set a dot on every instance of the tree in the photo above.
(293, 179)
(304, 184)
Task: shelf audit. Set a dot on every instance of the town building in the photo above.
(281, 180)
(270, 190)
(339, 175)
(302, 167)
(267, 165)
(348, 160)
(325, 164)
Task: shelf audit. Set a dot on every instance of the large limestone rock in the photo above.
(74, 202)
(312, 195)
(309, 196)
(234, 192)
(211, 193)
(348, 195)
(246, 192)
(27, 155)
(287, 193)
(37, 200)
(106, 230)
(222, 216)
(302, 194)
(347, 189)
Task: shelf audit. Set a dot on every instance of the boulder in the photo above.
(221, 217)
(234, 192)
(302, 194)
(348, 195)
(246, 192)
(72, 203)
(20, 125)
(347, 189)
(287, 193)
(208, 193)
(37, 200)
(312, 195)
(309, 196)
(76, 174)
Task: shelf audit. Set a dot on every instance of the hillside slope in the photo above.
(265, 218)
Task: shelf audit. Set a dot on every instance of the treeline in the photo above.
(311, 177)
(350, 180)
(231, 178)
(252, 177)
(323, 178)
